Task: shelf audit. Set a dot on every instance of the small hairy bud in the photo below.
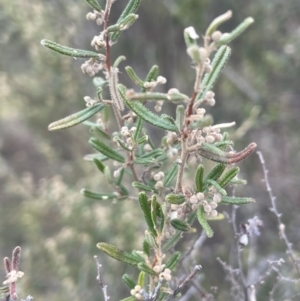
(216, 36)
(214, 213)
(161, 80)
(191, 32)
(217, 198)
(210, 139)
(211, 102)
(159, 185)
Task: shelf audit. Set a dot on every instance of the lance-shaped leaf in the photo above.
(170, 175)
(176, 199)
(120, 177)
(154, 153)
(203, 222)
(154, 211)
(76, 118)
(228, 37)
(4, 293)
(215, 173)
(94, 4)
(236, 200)
(118, 254)
(146, 247)
(217, 186)
(139, 127)
(71, 51)
(150, 96)
(144, 113)
(97, 196)
(128, 281)
(142, 140)
(217, 22)
(228, 176)
(180, 225)
(141, 279)
(145, 268)
(131, 7)
(172, 262)
(99, 164)
(124, 23)
(150, 239)
(99, 133)
(199, 178)
(144, 161)
(218, 63)
(138, 256)
(143, 200)
(106, 150)
(133, 76)
(142, 186)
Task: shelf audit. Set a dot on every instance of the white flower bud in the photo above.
(117, 173)
(174, 207)
(211, 102)
(216, 36)
(147, 147)
(161, 80)
(217, 198)
(137, 288)
(214, 213)
(157, 108)
(159, 185)
(157, 177)
(193, 199)
(173, 91)
(161, 173)
(201, 111)
(244, 240)
(209, 94)
(213, 205)
(210, 139)
(200, 196)
(207, 208)
(195, 207)
(191, 32)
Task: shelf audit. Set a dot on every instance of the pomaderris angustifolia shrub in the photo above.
(169, 180)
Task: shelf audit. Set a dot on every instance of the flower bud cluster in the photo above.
(172, 138)
(172, 152)
(158, 105)
(151, 85)
(96, 16)
(209, 98)
(91, 67)
(209, 206)
(137, 292)
(158, 177)
(207, 66)
(98, 42)
(166, 275)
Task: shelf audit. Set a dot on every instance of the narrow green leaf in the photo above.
(173, 261)
(133, 76)
(217, 22)
(97, 196)
(217, 186)
(219, 61)
(199, 178)
(71, 51)
(170, 175)
(146, 248)
(154, 153)
(176, 199)
(236, 201)
(228, 176)
(180, 225)
(142, 140)
(203, 222)
(141, 279)
(227, 38)
(131, 7)
(76, 118)
(143, 200)
(145, 268)
(150, 239)
(146, 114)
(215, 173)
(99, 133)
(106, 150)
(107, 174)
(139, 126)
(144, 161)
(151, 76)
(141, 186)
(99, 164)
(117, 254)
(94, 4)
(128, 281)
(154, 205)
(120, 177)
(137, 256)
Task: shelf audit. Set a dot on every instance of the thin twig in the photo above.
(274, 209)
(99, 278)
(195, 270)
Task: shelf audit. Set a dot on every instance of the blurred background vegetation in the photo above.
(41, 173)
